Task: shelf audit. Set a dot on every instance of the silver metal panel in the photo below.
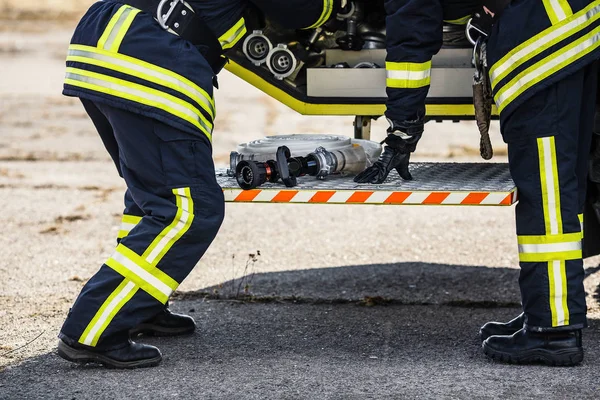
(370, 83)
(428, 177)
(454, 58)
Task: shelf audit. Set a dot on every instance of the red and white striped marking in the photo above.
(370, 197)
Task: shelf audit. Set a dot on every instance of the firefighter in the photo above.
(144, 70)
(543, 70)
(414, 35)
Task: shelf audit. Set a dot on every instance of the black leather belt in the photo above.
(179, 17)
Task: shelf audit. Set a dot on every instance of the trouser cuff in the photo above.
(545, 329)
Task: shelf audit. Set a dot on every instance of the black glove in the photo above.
(389, 159)
(401, 140)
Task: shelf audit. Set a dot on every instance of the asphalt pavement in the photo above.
(284, 344)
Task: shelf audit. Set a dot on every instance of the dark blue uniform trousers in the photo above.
(549, 139)
(177, 207)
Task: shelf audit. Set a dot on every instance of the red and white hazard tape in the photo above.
(370, 197)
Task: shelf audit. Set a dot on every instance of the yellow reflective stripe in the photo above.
(558, 292)
(547, 248)
(233, 35)
(557, 10)
(122, 30)
(548, 239)
(408, 66)
(111, 24)
(550, 256)
(111, 306)
(551, 143)
(546, 67)
(181, 223)
(325, 14)
(128, 222)
(138, 93)
(550, 185)
(407, 74)
(459, 21)
(142, 278)
(144, 264)
(131, 219)
(141, 271)
(565, 306)
(141, 69)
(542, 42)
(147, 68)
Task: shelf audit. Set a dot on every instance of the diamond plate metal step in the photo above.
(470, 184)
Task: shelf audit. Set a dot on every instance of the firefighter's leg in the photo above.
(170, 176)
(543, 139)
(166, 322)
(414, 36)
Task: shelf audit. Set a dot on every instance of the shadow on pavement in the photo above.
(401, 283)
(328, 345)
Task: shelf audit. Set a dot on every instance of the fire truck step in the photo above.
(467, 184)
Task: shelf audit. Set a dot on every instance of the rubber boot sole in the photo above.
(557, 358)
(82, 356)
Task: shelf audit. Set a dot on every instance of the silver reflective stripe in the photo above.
(547, 66)
(167, 80)
(542, 43)
(116, 29)
(115, 87)
(142, 274)
(549, 247)
(408, 75)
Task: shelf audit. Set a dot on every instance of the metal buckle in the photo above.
(470, 27)
(163, 18)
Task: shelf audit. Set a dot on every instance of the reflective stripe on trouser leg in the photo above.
(132, 215)
(140, 272)
(549, 236)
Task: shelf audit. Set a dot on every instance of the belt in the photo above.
(179, 18)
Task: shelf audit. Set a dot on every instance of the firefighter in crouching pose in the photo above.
(144, 70)
(543, 70)
(414, 34)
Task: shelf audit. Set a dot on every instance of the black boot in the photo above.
(502, 328)
(127, 355)
(524, 347)
(166, 323)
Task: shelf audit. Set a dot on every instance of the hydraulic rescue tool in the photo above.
(320, 163)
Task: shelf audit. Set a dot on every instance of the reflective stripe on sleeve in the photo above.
(233, 35)
(408, 75)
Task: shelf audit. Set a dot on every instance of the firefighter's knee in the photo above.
(208, 212)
